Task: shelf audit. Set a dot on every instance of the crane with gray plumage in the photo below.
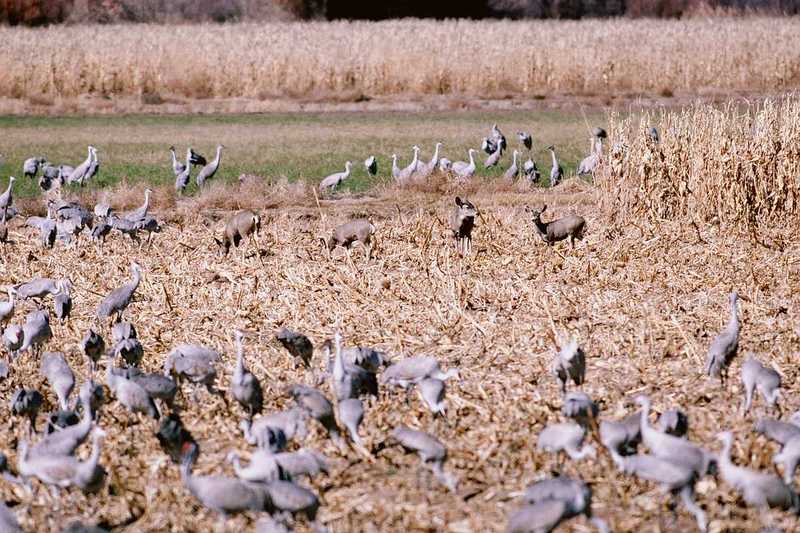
(118, 300)
(317, 406)
(7, 198)
(245, 387)
(79, 172)
(674, 422)
(512, 172)
(296, 344)
(429, 449)
(66, 440)
(195, 363)
(567, 437)
(7, 308)
(526, 139)
(556, 172)
(35, 331)
(59, 375)
(289, 497)
(414, 369)
(331, 182)
(31, 166)
(758, 489)
(93, 346)
(208, 171)
(62, 300)
(725, 345)
(432, 391)
(757, 376)
(303, 462)
(64, 471)
(350, 381)
(263, 467)
(575, 494)
(130, 394)
(371, 165)
(788, 458)
(182, 178)
(670, 447)
(351, 414)
(12, 339)
(675, 478)
(621, 437)
(777, 430)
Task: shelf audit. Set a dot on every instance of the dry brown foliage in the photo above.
(643, 300)
(334, 60)
(738, 165)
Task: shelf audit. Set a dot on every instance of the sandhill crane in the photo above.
(12, 339)
(512, 172)
(781, 432)
(396, 170)
(589, 164)
(63, 300)
(652, 134)
(432, 391)
(758, 489)
(350, 381)
(673, 421)
(158, 386)
(66, 440)
(8, 521)
(493, 158)
(130, 394)
(65, 470)
(788, 457)
(674, 478)
(3, 226)
(488, 145)
(567, 437)
(498, 138)
(174, 439)
(245, 386)
(273, 430)
(526, 139)
(371, 165)
(221, 493)
(367, 358)
(317, 406)
(556, 172)
(414, 369)
(465, 170)
(59, 375)
(445, 165)
(575, 494)
(140, 212)
(599, 132)
(27, 402)
(123, 330)
(263, 467)
(296, 344)
(182, 178)
(755, 375)
(36, 331)
(670, 447)
(429, 449)
(287, 496)
(7, 307)
(334, 180)
(7, 198)
(118, 300)
(531, 171)
(405, 173)
(93, 346)
(621, 438)
(177, 167)
(94, 167)
(580, 407)
(208, 171)
(79, 172)
(725, 345)
(36, 288)
(351, 414)
(193, 362)
(31, 166)
(131, 350)
(570, 364)
(425, 169)
(303, 462)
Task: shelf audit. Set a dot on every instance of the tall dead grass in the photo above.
(328, 59)
(738, 165)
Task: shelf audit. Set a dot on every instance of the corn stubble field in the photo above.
(644, 293)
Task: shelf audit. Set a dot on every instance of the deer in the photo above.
(462, 220)
(571, 226)
(358, 230)
(243, 224)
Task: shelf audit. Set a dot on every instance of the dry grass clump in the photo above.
(644, 306)
(737, 165)
(335, 60)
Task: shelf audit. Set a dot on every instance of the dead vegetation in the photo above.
(644, 300)
(357, 61)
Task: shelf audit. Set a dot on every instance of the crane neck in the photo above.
(219, 152)
(435, 154)
(188, 157)
(239, 357)
(553, 155)
(338, 364)
(471, 159)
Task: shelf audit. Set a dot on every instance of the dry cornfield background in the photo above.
(358, 60)
(737, 165)
(644, 300)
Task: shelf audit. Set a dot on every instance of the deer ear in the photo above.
(527, 209)
(544, 207)
(458, 201)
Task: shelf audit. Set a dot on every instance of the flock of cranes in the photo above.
(353, 376)
(494, 146)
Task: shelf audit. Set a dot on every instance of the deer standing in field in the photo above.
(243, 224)
(571, 226)
(359, 230)
(462, 220)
